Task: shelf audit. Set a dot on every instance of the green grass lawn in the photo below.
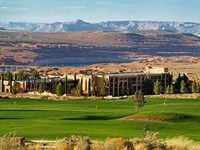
(45, 119)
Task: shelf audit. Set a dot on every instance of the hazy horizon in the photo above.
(71, 21)
(94, 11)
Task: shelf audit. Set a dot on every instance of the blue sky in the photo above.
(99, 10)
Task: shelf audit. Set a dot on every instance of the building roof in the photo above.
(126, 74)
(135, 73)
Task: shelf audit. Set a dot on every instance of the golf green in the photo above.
(100, 119)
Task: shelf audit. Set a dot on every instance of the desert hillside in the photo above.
(85, 48)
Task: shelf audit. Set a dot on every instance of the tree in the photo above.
(13, 89)
(41, 87)
(148, 86)
(34, 74)
(172, 90)
(102, 86)
(167, 91)
(8, 76)
(21, 75)
(78, 91)
(66, 86)
(187, 82)
(198, 88)
(53, 87)
(59, 91)
(183, 87)
(93, 92)
(178, 83)
(139, 100)
(194, 87)
(157, 87)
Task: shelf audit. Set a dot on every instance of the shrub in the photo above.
(78, 142)
(118, 144)
(34, 147)
(8, 142)
(181, 143)
(97, 146)
(62, 146)
(140, 146)
(149, 142)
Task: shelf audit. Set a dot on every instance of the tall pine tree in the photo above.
(167, 91)
(183, 87)
(41, 87)
(157, 87)
(194, 87)
(59, 90)
(172, 90)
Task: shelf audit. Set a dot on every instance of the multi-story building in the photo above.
(120, 84)
(116, 84)
(27, 85)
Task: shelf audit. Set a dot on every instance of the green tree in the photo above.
(194, 87)
(178, 83)
(59, 90)
(13, 89)
(8, 76)
(168, 91)
(21, 75)
(78, 91)
(66, 86)
(139, 100)
(183, 87)
(148, 86)
(53, 87)
(157, 88)
(102, 86)
(41, 87)
(198, 88)
(93, 92)
(34, 74)
(172, 90)
(187, 81)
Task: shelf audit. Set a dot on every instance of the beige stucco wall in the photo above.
(156, 70)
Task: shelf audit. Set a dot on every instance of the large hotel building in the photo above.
(117, 84)
(120, 84)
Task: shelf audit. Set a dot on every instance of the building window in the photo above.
(111, 79)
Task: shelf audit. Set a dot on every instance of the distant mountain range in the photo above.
(79, 25)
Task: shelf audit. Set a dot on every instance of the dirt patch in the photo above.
(163, 117)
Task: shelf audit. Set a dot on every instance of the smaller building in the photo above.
(28, 85)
